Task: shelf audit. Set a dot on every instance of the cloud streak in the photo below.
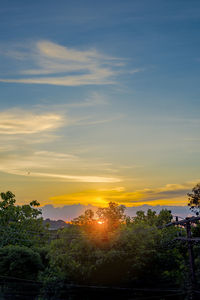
(22, 131)
(58, 65)
(46, 165)
(73, 178)
(24, 122)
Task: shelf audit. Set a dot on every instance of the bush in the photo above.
(20, 262)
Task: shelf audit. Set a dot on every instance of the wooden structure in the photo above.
(187, 223)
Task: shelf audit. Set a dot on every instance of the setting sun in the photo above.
(100, 222)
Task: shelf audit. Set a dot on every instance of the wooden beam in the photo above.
(183, 222)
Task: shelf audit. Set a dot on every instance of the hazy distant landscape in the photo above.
(69, 212)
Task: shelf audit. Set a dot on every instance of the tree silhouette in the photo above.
(194, 199)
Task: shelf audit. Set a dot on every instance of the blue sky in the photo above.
(100, 101)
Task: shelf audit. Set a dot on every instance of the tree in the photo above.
(20, 262)
(112, 216)
(9, 212)
(86, 219)
(164, 217)
(151, 218)
(19, 224)
(133, 254)
(194, 199)
(148, 218)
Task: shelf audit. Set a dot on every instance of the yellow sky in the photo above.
(173, 194)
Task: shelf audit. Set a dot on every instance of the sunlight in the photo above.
(100, 222)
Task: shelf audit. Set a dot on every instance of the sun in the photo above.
(100, 222)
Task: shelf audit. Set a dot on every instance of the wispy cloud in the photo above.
(58, 65)
(56, 155)
(46, 165)
(76, 178)
(23, 131)
(94, 99)
(23, 170)
(94, 121)
(25, 122)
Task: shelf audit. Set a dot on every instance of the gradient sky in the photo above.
(100, 101)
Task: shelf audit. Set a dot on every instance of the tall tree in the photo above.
(194, 199)
(112, 216)
(19, 224)
(85, 219)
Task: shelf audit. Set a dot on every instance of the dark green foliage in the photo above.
(20, 225)
(20, 262)
(10, 213)
(118, 251)
(133, 253)
(151, 218)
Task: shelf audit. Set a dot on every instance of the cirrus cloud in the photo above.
(25, 122)
(60, 65)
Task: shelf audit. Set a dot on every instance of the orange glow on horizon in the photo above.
(100, 222)
(100, 198)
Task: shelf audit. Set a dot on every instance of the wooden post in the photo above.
(187, 223)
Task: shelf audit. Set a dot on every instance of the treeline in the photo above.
(107, 248)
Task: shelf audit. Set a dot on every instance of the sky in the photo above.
(100, 101)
